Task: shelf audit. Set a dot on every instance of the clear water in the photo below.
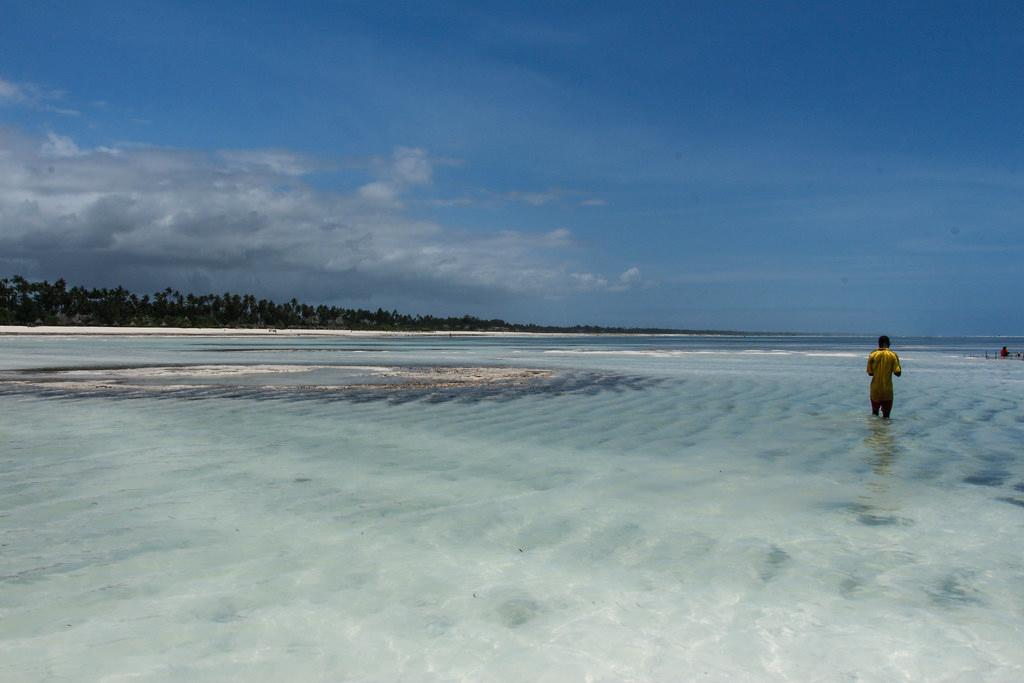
(661, 509)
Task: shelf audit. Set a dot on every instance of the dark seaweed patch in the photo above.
(954, 591)
(883, 520)
(516, 612)
(1019, 502)
(398, 393)
(292, 349)
(850, 586)
(847, 506)
(774, 561)
(989, 478)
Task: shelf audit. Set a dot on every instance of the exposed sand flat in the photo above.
(337, 378)
(461, 375)
(469, 376)
(208, 371)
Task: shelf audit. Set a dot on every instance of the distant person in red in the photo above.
(1004, 352)
(882, 365)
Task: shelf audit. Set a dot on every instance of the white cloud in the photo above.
(62, 110)
(10, 92)
(379, 191)
(560, 237)
(273, 161)
(410, 166)
(630, 277)
(32, 95)
(453, 201)
(59, 146)
(554, 194)
(534, 198)
(589, 282)
(149, 217)
(407, 167)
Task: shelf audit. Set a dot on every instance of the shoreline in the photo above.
(76, 330)
(99, 331)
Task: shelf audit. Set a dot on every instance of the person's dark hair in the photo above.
(883, 342)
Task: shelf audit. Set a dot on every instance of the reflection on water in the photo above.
(880, 505)
(882, 445)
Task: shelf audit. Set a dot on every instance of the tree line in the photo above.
(44, 303)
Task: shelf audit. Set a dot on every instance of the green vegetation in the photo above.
(44, 303)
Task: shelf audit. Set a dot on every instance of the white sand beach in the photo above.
(234, 332)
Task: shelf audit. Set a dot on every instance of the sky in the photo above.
(761, 166)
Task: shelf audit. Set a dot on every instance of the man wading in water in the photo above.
(882, 365)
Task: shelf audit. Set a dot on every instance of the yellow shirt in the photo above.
(882, 364)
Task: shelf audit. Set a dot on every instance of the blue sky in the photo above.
(849, 167)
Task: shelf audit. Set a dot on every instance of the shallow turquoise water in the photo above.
(662, 509)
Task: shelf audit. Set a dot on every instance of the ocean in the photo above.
(515, 508)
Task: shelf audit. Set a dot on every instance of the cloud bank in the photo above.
(33, 96)
(249, 219)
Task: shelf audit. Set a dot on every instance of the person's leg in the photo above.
(886, 408)
(875, 405)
